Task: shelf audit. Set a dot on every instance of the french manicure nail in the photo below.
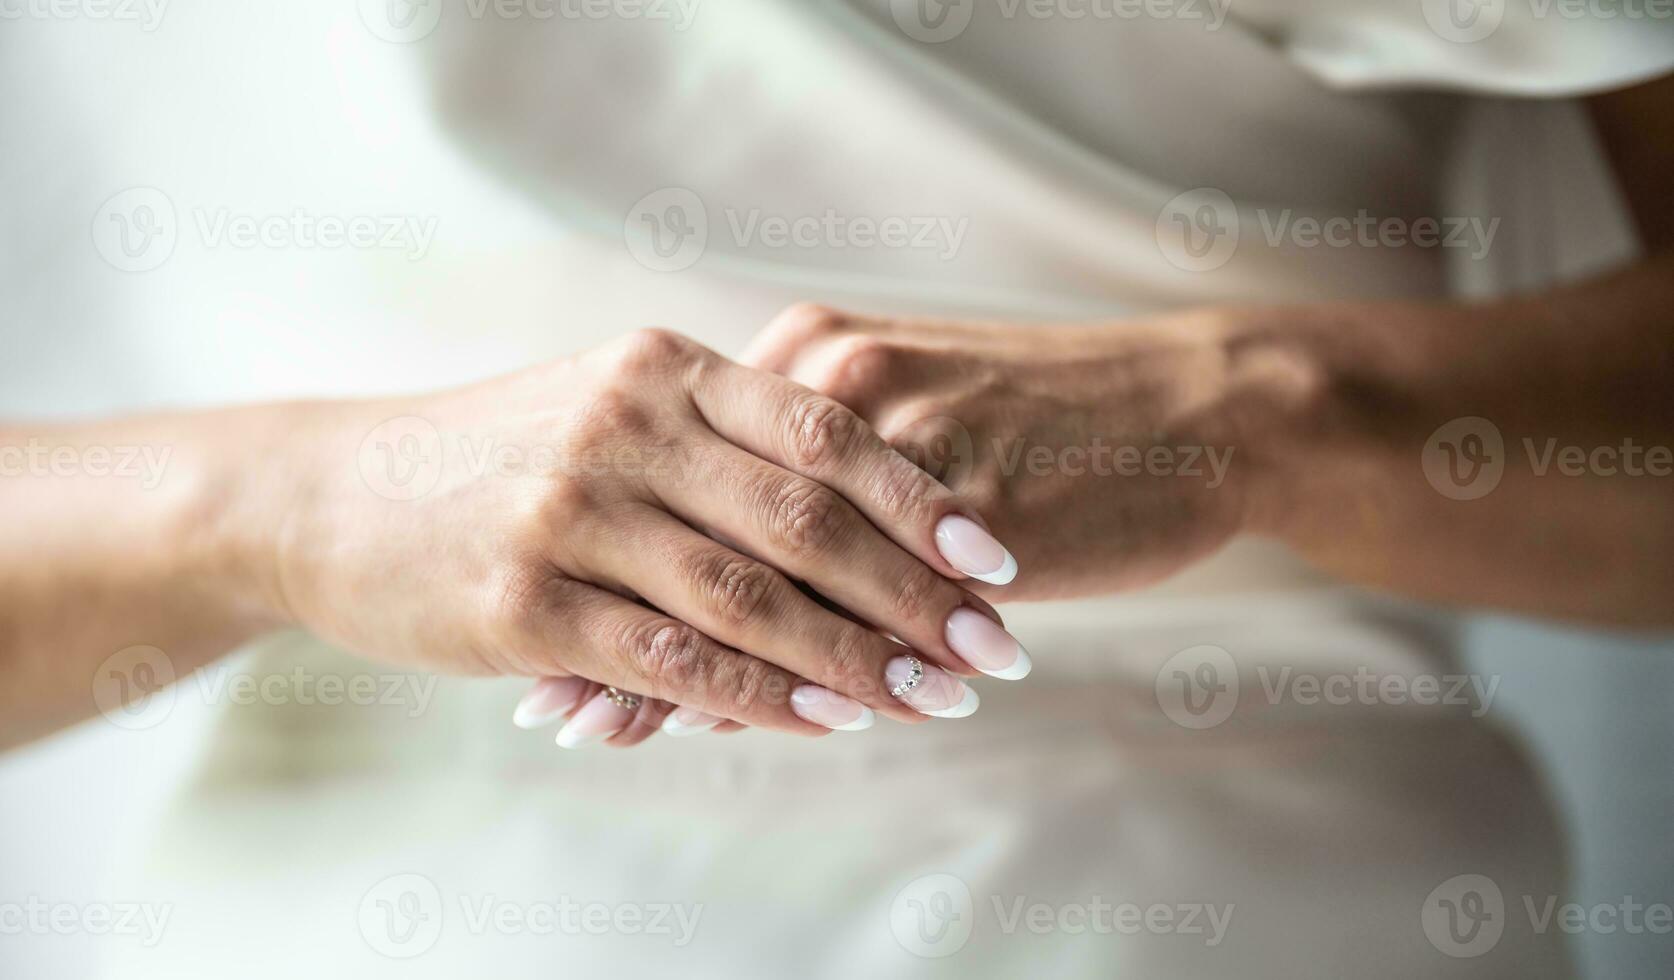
(972, 550)
(549, 700)
(985, 645)
(688, 721)
(813, 703)
(934, 692)
(597, 720)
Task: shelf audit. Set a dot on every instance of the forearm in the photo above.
(152, 531)
(1585, 368)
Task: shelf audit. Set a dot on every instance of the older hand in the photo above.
(1107, 456)
(646, 516)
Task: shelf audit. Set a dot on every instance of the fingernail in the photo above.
(549, 700)
(936, 693)
(972, 550)
(597, 720)
(822, 707)
(688, 721)
(986, 646)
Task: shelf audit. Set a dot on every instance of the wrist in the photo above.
(1328, 399)
(249, 496)
(1279, 405)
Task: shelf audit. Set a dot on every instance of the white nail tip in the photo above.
(678, 729)
(572, 740)
(964, 709)
(1000, 576)
(867, 717)
(1018, 670)
(529, 720)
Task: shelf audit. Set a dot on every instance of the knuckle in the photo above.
(822, 431)
(809, 320)
(904, 492)
(913, 598)
(524, 595)
(651, 349)
(609, 414)
(668, 657)
(862, 361)
(853, 663)
(746, 688)
(567, 502)
(806, 516)
(737, 588)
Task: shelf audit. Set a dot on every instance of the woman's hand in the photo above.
(1109, 456)
(544, 504)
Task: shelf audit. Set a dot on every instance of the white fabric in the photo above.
(1059, 143)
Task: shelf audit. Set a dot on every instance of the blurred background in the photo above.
(252, 109)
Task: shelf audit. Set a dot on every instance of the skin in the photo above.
(1326, 411)
(267, 517)
(263, 522)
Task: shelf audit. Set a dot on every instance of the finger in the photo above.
(791, 332)
(817, 437)
(685, 722)
(550, 699)
(810, 533)
(748, 605)
(614, 641)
